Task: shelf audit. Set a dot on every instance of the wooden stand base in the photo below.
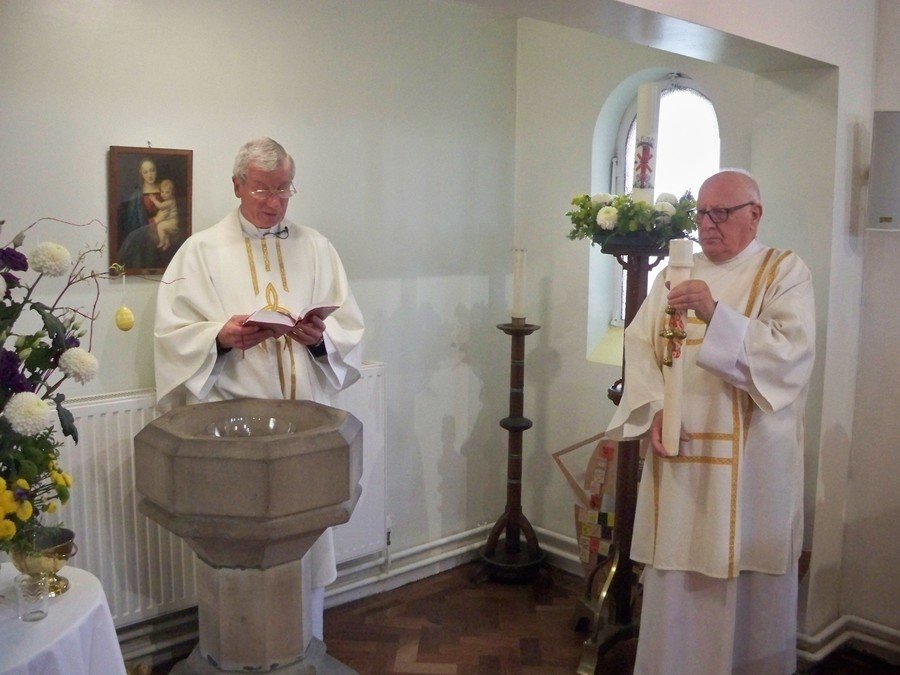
(520, 566)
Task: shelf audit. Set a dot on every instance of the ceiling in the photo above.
(626, 22)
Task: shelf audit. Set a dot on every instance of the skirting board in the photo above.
(865, 635)
(389, 572)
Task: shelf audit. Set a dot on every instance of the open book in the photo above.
(283, 321)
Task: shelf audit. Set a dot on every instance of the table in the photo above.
(76, 638)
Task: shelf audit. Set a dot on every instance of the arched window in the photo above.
(687, 153)
(688, 140)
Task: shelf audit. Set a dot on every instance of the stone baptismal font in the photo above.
(250, 484)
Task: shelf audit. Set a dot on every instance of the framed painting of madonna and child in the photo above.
(149, 206)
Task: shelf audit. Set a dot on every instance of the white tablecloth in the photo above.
(77, 637)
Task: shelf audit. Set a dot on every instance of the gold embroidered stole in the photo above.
(284, 346)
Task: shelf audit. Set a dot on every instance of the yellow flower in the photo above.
(61, 478)
(7, 502)
(2, 483)
(7, 529)
(24, 510)
(22, 483)
(51, 507)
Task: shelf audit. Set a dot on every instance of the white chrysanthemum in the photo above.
(50, 259)
(666, 209)
(79, 364)
(28, 413)
(666, 198)
(601, 198)
(607, 217)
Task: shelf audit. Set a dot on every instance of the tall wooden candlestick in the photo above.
(512, 562)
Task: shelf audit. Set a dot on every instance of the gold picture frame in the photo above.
(149, 206)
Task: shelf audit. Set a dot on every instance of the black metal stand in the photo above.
(512, 561)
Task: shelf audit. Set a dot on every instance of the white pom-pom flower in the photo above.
(79, 364)
(666, 198)
(601, 198)
(666, 209)
(27, 413)
(607, 217)
(50, 259)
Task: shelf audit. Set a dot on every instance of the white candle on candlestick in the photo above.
(518, 280)
(646, 133)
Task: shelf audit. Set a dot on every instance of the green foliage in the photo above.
(603, 216)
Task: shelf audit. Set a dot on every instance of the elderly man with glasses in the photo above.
(719, 526)
(255, 258)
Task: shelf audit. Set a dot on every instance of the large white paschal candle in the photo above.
(681, 260)
(518, 310)
(646, 132)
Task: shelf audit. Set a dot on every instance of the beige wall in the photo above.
(559, 100)
(838, 32)
(794, 131)
(868, 589)
(887, 42)
(401, 117)
(403, 114)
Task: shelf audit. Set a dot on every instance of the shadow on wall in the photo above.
(484, 350)
(428, 399)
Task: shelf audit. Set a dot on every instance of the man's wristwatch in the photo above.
(318, 350)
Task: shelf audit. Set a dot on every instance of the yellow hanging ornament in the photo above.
(124, 319)
(124, 316)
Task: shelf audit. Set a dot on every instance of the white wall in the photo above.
(871, 550)
(564, 80)
(792, 144)
(766, 36)
(839, 32)
(887, 84)
(869, 588)
(400, 114)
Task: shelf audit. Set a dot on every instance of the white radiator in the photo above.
(145, 571)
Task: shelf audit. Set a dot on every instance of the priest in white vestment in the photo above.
(252, 259)
(719, 526)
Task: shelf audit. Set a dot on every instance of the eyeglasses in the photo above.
(283, 193)
(720, 214)
(281, 233)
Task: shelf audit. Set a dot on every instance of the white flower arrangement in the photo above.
(605, 216)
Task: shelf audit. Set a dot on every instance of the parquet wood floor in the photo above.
(447, 624)
(450, 625)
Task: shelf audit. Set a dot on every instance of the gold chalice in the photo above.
(53, 546)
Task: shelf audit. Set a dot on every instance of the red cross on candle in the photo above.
(642, 165)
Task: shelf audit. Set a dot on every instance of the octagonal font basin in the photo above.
(250, 482)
